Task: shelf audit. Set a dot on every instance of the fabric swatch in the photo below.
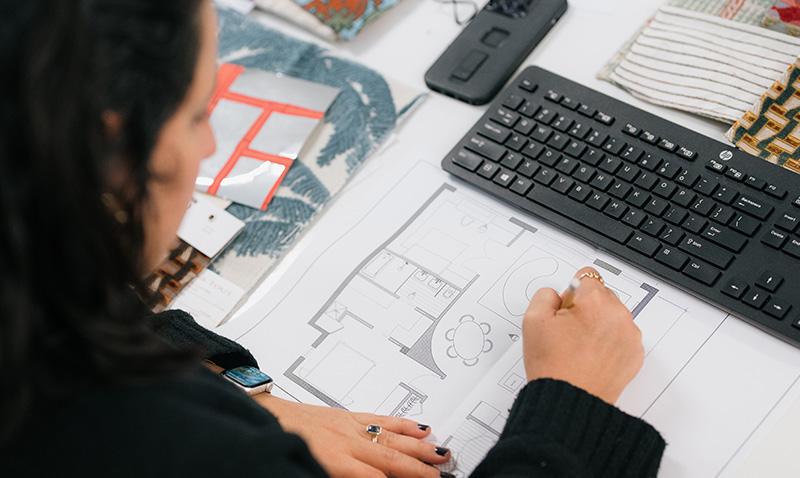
(784, 17)
(703, 64)
(369, 107)
(771, 128)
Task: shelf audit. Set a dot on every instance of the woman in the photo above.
(103, 122)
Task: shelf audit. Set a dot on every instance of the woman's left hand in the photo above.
(339, 441)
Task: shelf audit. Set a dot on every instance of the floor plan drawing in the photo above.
(412, 307)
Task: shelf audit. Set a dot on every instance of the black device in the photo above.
(490, 49)
(714, 221)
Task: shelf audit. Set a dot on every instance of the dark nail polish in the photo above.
(422, 427)
(441, 451)
(446, 475)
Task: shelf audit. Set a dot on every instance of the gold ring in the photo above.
(374, 431)
(592, 275)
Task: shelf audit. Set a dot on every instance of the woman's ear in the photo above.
(112, 122)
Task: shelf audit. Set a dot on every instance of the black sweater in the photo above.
(203, 426)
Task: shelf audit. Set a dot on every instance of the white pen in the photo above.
(569, 294)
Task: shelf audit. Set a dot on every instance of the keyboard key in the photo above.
(687, 178)
(702, 272)
(545, 176)
(632, 154)
(672, 236)
(567, 165)
(487, 149)
(512, 161)
(634, 218)
(686, 153)
(755, 183)
(669, 169)
(616, 209)
(614, 146)
(628, 173)
(533, 150)
(610, 164)
(656, 206)
(529, 109)
(796, 202)
(769, 281)
(516, 142)
(676, 216)
(553, 96)
(665, 189)
(563, 184)
(597, 201)
(745, 224)
(672, 258)
(562, 123)
(550, 157)
(777, 308)
(604, 118)
(528, 168)
(650, 162)
(752, 206)
(493, 131)
(638, 198)
(602, 181)
(756, 298)
(716, 166)
(775, 191)
(631, 130)
(575, 149)
(528, 85)
(558, 141)
(653, 226)
(587, 110)
(467, 160)
(597, 139)
(584, 174)
(793, 248)
(521, 186)
(646, 180)
(725, 194)
(706, 251)
(694, 223)
(504, 178)
(580, 193)
(525, 126)
(569, 103)
(541, 133)
(735, 174)
(684, 198)
(735, 288)
(592, 156)
(667, 145)
(649, 137)
(513, 101)
(504, 116)
(619, 190)
(580, 214)
(545, 116)
(788, 222)
(724, 237)
(644, 245)
(774, 238)
(579, 130)
(488, 170)
(703, 206)
(722, 215)
(705, 187)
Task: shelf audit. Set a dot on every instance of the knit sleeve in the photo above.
(181, 330)
(558, 430)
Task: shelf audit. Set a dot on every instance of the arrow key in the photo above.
(769, 281)
(777, 308)
(735, 288)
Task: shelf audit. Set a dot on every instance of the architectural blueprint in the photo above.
(413, 309)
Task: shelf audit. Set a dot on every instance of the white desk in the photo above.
(407, 40)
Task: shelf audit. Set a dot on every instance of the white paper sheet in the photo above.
(409, 301)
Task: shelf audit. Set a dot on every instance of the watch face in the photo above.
(248, 376)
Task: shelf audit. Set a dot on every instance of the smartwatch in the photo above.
(249, 379)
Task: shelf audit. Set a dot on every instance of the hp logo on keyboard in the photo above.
(725, 155)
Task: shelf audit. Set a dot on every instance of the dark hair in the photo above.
(66, 265)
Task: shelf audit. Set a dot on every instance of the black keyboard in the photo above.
(710, 219)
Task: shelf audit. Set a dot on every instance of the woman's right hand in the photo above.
(594, 344)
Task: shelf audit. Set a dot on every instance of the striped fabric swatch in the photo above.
(703, 64)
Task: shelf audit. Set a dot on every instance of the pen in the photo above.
(569, 294)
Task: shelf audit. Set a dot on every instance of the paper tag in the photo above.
(208, 228)
(208, 298)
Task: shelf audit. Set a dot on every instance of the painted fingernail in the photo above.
(422, 427)
(441, 451)
(446, 475)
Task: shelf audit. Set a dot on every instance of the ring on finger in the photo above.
(374, 431)
(592, 275)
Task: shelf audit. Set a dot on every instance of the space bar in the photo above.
(581, 214)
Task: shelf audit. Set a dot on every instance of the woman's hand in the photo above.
(594, 344)
(339, 441)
